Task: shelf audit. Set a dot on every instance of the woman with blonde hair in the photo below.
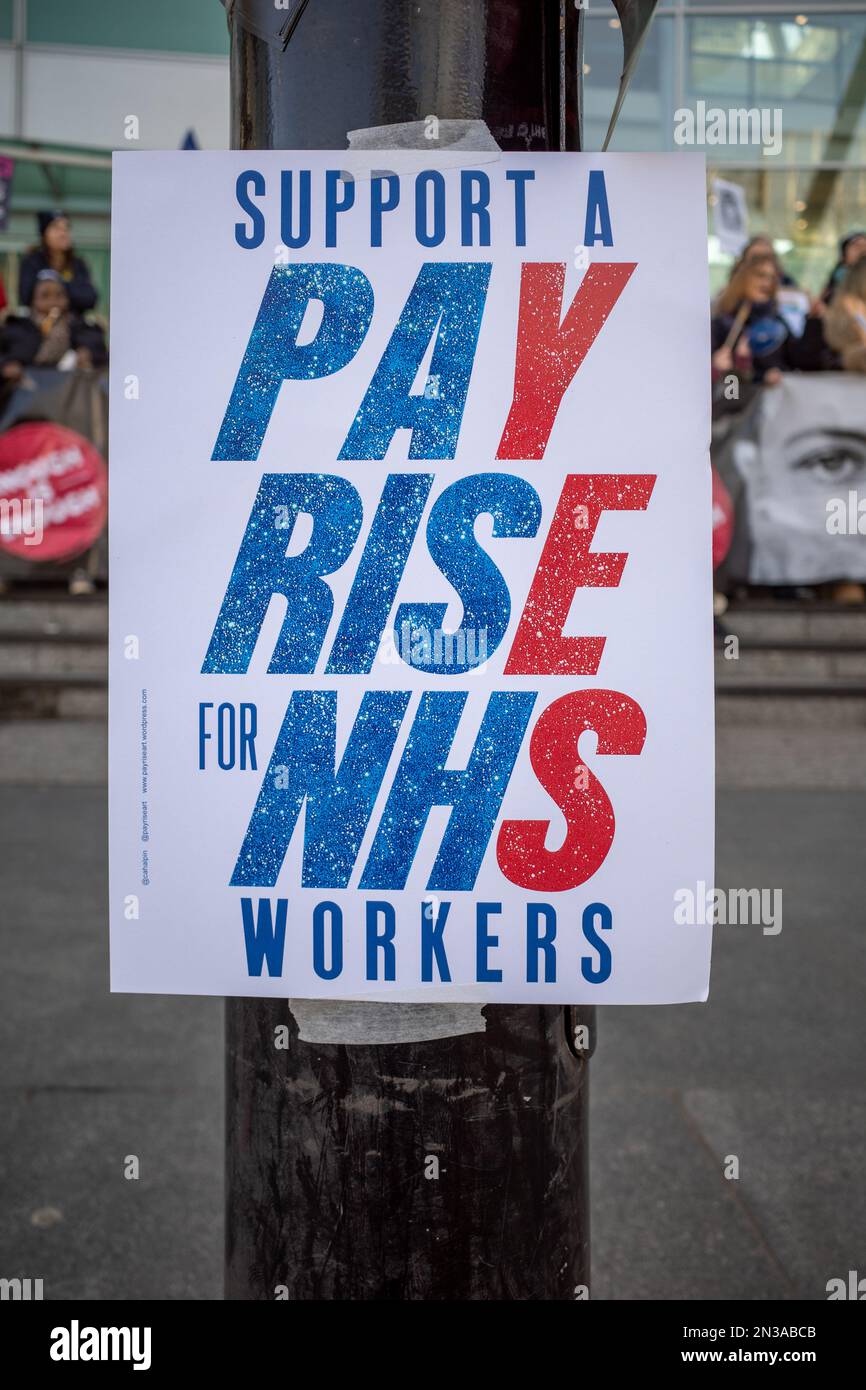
(845, 319)
(758, 246)
(748, 333)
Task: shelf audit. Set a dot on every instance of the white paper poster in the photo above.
(730, 215)
(411, 635)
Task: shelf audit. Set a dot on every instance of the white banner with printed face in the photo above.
(411, 635)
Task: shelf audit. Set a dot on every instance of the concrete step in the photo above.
(822, 622)
(783, 703)
(52, 656)
(797, 666)
(794, 661)
(59, 619)
(73, 695)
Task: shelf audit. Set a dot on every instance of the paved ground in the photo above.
(771, 1072)
(89, 1078)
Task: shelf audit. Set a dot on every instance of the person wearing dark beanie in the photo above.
(851, 248)
(56, 252)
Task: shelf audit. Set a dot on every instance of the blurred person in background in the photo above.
(56, 252)
(751, 337)
(757, 248)
(747, 302)
(845, 319)
(50, 335)
(794, 305)
(851, 248)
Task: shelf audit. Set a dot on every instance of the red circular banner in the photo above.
(53, 492)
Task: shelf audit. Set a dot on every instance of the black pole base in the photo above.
(448, 1170)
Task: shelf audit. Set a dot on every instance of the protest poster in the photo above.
(730, 215)
(411, 633)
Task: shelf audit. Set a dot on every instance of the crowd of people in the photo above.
(53, 329)
(764, 325)
(54, 325)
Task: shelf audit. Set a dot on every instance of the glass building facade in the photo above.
(71, 71)
(809, 64)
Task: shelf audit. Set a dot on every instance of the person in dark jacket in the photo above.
(851, 248)
(56, 252)
(50, 335)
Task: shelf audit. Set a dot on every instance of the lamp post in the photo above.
(434, 1167)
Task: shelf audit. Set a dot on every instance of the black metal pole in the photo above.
(346, 67)
(452, 1169)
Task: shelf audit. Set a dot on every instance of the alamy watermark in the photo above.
(77, 1343)
(22, 516)
(846, 516)
(416, 645)
(704, 906)
(714, 125)
(853, 1288)
(20, 1290)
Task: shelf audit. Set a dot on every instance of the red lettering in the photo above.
(566, 565)
(549, 352)
(553, 750)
